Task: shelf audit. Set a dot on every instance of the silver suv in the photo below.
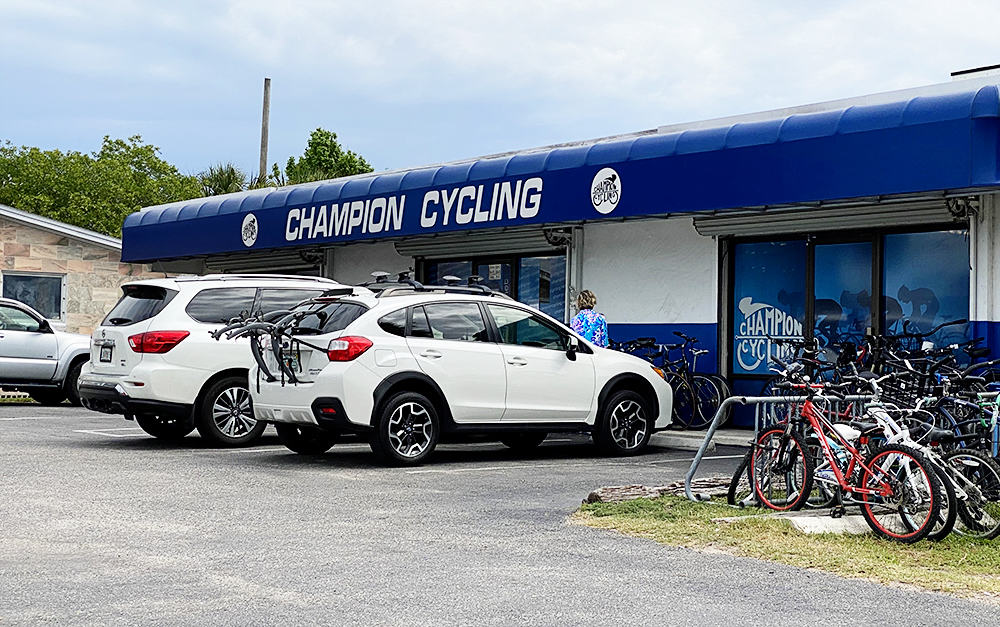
(38, 359)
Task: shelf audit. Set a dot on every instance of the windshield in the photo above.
(328, 317)
(139, 303)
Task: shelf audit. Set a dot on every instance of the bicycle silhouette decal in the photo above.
(606, 190)
(249, 230)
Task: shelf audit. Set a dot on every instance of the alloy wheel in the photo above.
(232, 412)
(411, 429)
(627, 424)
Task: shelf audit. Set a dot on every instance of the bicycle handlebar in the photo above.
(915, 336)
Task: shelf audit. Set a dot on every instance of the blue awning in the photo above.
(921, 144)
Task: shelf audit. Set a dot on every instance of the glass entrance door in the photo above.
(842, 302)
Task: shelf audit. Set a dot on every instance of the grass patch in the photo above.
(958, 565)
(13, 400)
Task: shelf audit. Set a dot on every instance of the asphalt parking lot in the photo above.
(100, 524)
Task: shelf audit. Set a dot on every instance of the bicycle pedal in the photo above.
(838, 512)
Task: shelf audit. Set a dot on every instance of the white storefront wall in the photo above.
(652, 272)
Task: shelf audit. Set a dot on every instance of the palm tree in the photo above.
(224, 178)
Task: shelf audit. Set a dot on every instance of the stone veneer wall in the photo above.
(93, 273)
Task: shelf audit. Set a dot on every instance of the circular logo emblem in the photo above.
(249, 230)
(606, 190)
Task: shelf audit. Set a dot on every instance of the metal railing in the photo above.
(765, 414)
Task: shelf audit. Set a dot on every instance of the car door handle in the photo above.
(430, 353)
(517, 361)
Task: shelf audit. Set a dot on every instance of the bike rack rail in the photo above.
(720, 413)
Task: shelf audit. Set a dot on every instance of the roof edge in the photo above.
(61, 228)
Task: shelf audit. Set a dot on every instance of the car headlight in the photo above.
(660, 372)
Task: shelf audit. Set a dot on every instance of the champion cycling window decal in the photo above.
(606, 190)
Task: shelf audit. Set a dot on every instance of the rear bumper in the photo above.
(109, 398)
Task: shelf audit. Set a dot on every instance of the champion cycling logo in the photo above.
(761, 324)
(249, 230)
(606, 191)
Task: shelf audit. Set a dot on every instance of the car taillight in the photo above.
(156, 341)
(347, 348)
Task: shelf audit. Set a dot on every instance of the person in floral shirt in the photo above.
(591, 325)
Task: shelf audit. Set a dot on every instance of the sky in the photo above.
(408, 83)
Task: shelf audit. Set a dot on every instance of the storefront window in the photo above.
(768, 300)
(926, 281)
(438, 270)
(842, 287)
(538, 281)
(542, 284)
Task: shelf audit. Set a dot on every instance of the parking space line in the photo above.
(32, 418)
(271, 449)
(104, 433)
(482, 468)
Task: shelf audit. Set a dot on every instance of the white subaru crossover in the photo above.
(405, 365)
(153, 358)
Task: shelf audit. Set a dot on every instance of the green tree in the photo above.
(95, 191)
(224, 178)
(324, 158)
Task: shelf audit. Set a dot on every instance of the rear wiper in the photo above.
(119, 321)
(305, 331)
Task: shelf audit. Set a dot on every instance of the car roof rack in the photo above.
(404, 285)
(257, 277)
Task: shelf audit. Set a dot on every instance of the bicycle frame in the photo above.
(821, 427)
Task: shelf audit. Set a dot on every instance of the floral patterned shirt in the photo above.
(592, 326)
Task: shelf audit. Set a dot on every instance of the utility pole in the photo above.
(265, 120)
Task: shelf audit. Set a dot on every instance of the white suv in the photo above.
(153, 358)
(405, 365)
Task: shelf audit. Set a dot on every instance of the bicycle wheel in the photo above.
(823, 494)
(948, 511)
(741, 493)
(908, 507)
(976, 474)
(708, 398)
(684, 406)
(781, 471)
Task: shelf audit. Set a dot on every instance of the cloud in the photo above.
(454, 79)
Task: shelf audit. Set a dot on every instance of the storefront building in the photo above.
(826, 220)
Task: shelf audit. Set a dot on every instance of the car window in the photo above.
(276, 299)
(394, 322)
(220, 305)
(328, 318)
(517, 326)
(13, 319)
(456, 321)
(137, 304)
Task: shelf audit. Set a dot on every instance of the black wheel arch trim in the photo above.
(403, 381)
(629, 381)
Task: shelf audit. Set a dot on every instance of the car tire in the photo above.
(49, 398)
(305, 440)
(624, 426)
(524, 442)
(407, 430)
(225, 414)
(72, 383)
(168, 429)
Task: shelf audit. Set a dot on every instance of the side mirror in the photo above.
(572, 346)
(44, 326)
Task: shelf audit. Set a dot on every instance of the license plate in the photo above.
(106, 354)
(292, 362)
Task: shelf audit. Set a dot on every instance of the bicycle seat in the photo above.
(924, 431)
(864, 427)
(699, 351)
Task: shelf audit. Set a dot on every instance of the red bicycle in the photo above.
(895, 486)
